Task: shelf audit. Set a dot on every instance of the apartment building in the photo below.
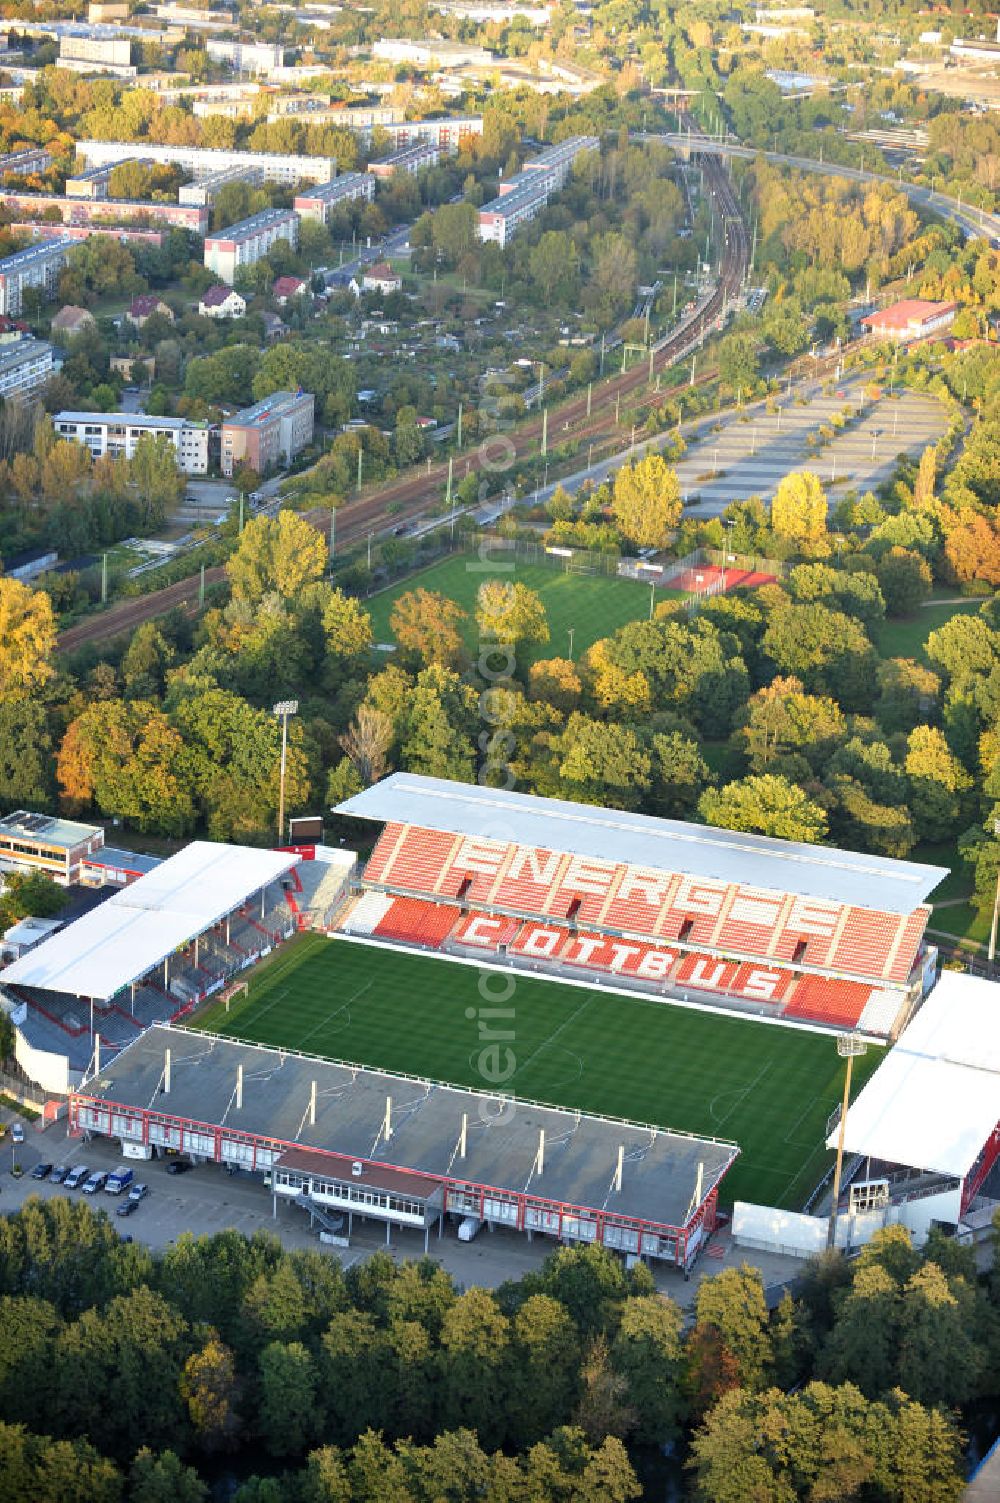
(244, 244)
(319, 202)
(524, 195)
(81, 211)
(94, 182)
(202, 161)
(24, 163)
(268, 434)
(112, 50)
(246, 57)
(407, 159)
(25, 365)
(203, 191)
(116, 434)
(38, 266)
(447, 134)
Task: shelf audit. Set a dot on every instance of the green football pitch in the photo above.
(593, 605)
(769, 1089)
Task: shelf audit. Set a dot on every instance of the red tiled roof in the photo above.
(287, 286)
(215, 296)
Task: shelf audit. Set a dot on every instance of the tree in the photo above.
(908, 694)
(438, 723)
(347, 626)
(545, 1359)
(26, 760)
(603, 1409)
(829, 652)
(739, 365)
(798, 510)
(29, 894)
(862, 1347)
(905, 581)
(367, 741)
(454, 231)
(155, 479)
(647, 501)
(289, 1415)
(280, 555)
(680, 774)
(210, 1389)
(475, 1337)
(938, 1360)
(427, 624)
(768, 805)
(555, 265)
(782, 722)
(556, 682)
(647, 1351)
(509, 614)
(733, 1303)
(27, 638)
(602, 764)
(938, 783)
(164, 1479)
(971, 546)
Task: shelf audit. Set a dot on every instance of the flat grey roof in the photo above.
(581, 1152)
(814, 871)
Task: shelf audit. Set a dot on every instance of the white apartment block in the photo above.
(246, 57)
(202, 193)
(408, 159)
(448, 134)
(524, 196)
(318, 202)
(117, 433)
(38, 266)
(105, 51)
(203, 161)
(244, 244)
(25, 365)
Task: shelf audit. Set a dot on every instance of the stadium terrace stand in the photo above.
(820, 935)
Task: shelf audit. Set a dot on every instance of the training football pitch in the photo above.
(591, 605)
(768, 1089)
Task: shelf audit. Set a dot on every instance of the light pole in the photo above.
(850, 1046)
(284, 708)
(570, 630)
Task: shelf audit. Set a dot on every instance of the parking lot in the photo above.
(207, 1200)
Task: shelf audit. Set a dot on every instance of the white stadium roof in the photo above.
(140, 926)
(815, 871)
(934, 1101)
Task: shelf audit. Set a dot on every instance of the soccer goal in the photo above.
(238, 989)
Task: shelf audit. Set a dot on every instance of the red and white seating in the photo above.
(692, 934)
(484, 931)
(827, 999)
(416, 922)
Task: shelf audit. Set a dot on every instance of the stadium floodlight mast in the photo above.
(284, 708)
(850, 1046)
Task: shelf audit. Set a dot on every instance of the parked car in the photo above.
(127, 1207)
(17, 1132)
(179, 1166)
(58, 1174)
(95, 1182)
(119, 1180)
(137, 1193)
(76, 1176)
(41, 1171)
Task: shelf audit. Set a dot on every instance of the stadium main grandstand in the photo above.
(799, 933)
(150, 952)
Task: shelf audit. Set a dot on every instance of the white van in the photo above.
(468, 1227)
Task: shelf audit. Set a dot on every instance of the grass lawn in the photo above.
(963, 921)
(905, 638)
(769, 1089)
(592, 604)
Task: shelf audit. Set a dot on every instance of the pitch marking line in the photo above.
(740, 1095)
(344, 1007)
(546, 1043)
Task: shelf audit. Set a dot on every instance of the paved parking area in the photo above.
(208, 1200)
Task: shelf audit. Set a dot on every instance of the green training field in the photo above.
(769, 1089)
(593, 605)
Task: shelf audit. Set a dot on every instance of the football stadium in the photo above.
(529, 1014)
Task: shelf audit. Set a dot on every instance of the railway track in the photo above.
(410, 495)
